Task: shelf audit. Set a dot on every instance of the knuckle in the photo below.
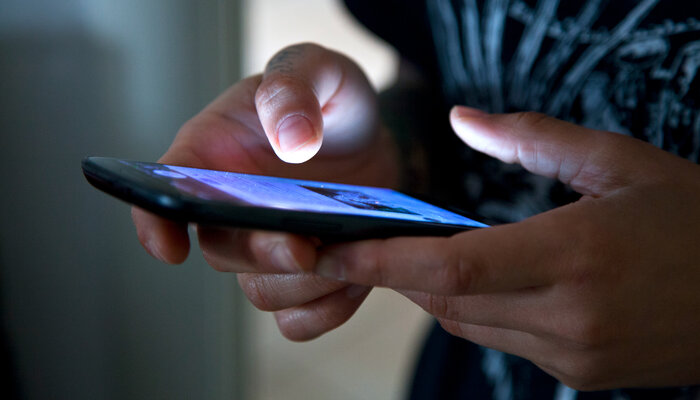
(191, 127)
(469, 275)
(583, 373)
(458, 275)
(376, 263)
(449, 278)
(271, 90)
(583, 260)
(586, 330)
(257, 291)
(437, 305)
(367, 263)
(586, 335)
(531, 119)
(283, 90)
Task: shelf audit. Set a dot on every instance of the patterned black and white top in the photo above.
(626, 66)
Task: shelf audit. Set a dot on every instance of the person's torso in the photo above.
(624, 66)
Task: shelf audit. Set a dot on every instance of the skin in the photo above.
(601, 293)
(240, 131)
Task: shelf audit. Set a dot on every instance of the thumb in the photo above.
(592, 162)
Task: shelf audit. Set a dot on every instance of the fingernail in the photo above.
(468, 112)
(295, 132)
(328, 267)
(282, 258)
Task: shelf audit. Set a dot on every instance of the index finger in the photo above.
(309, 94)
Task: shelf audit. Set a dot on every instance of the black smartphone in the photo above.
(327, 210)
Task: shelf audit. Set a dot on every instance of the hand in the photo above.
(601, 293)
(310, 103)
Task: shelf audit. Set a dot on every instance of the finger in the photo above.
(274, 292)
(500, 258)
(527, 310)
(592, 162)
(300, 94)
(240, 250)
(313, 319)
(164, 240)
(522, 344)
(584, 369)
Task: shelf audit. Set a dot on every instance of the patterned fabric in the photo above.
(450, 368)
(626, 66)
(629, 67)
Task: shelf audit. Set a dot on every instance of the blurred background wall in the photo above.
(86, 312)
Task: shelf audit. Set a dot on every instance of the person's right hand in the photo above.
(311, 115)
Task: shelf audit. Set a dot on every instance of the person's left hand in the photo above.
(600, 293)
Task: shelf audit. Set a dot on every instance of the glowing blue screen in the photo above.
(302, 195)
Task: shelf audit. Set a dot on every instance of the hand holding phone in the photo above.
(241, 131)
(221, 199)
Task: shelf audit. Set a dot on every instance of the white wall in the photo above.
(271, 25)
(88, 314)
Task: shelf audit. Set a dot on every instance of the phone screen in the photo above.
(301, 195)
